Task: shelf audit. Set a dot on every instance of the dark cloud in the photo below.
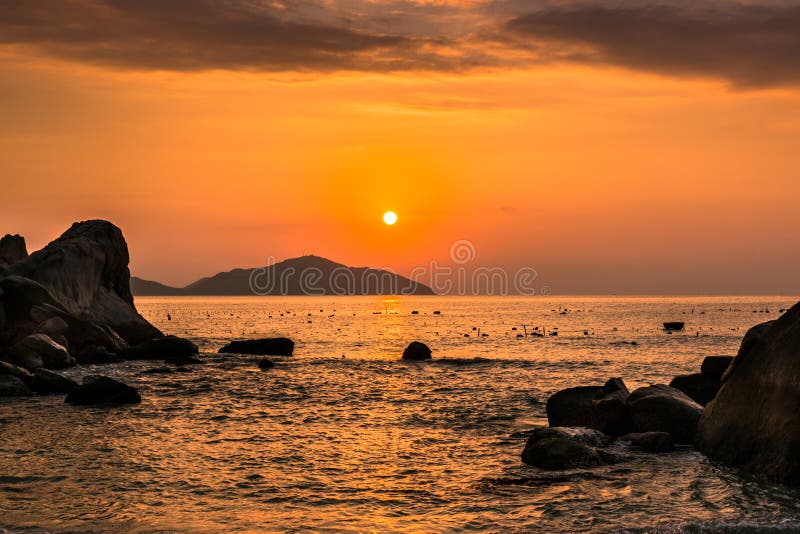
(748, 44)
(201, 34)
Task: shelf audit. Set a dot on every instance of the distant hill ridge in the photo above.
(306, 275)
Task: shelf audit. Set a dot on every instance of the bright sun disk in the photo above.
(390, 217)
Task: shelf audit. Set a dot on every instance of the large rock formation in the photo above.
(86, 272)
(754, 421)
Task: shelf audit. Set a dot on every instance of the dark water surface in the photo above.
(342, 436)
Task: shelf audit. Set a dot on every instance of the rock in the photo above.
(10, 369)
(168, 347)
(566, 448)
(92, 355)
(266, 364)
(53, 326)
(98, 389)
(572, 407)
(417, 351)
(654, 442)
(715, 366)
(38, 350)
(45, 381)
(11, 386)
(660, 408)
(86, 272)
(754, 422)
(158, 371)
(699, 387)
(277, 346)
(610, 412)
(12, 249)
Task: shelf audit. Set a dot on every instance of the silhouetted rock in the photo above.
(610, 412)
(98, 389)
(654, 442)
(182, 359)
(13, 370)
(699, 387)
(45, 381)
(417, 351)
(11, 386)
(566, 448)
(572, 407)
(715, 366)
(167, 347)
(93, 355)
(754, 421)
(12, 250)
(38, 350)
(159, 371)
(266, 363)
(86, 272)
(276, 346)
(660, 408)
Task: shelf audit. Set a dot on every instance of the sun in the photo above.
(390, 218)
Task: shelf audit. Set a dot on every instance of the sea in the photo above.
(343, 436)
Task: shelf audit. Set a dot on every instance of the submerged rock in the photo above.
(168, 347)
(610, 411)
(660, 408)
(416, 351)
(45, 381)
(557, 448)
(11, 386)
(276, 346)
(98, 389)
(754, 421)
(38, 350)
(572, 407)
(654, 442)
(266, 363)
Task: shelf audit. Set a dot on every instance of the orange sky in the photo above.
(610, 175)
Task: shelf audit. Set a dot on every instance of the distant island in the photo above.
(306, 275)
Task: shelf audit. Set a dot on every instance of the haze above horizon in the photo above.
(589, 141)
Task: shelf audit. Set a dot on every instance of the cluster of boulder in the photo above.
(585, 419)
(70, 303)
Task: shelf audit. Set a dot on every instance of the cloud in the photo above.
(749, 44)
(753, 43)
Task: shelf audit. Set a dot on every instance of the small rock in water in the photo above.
(266, 363)
(650, 441)
(98, 389)
(660, 408)
(45, 381)
(417, 351)
(566, 448)
(278, 346)
(572, 407)
(163, 348)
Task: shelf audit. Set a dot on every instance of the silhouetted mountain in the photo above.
(149, 288)
(306, 275)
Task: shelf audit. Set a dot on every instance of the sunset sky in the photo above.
(612, 146)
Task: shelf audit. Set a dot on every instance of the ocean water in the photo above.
(345, 437)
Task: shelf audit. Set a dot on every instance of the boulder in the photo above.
(38, 350)
(11, 386)
(86, 272)
(276, 346)
(12, 249)
(654, 442)
(566, 448)
(45, 381)
(572, 407)
(93, 355)
(163, 348)
(699, 387)
(416, 351)
(10, 369)
(715, 366)
(98, 389)
(754, 422)
(266, 363)
(660, 408)
(610, 412)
